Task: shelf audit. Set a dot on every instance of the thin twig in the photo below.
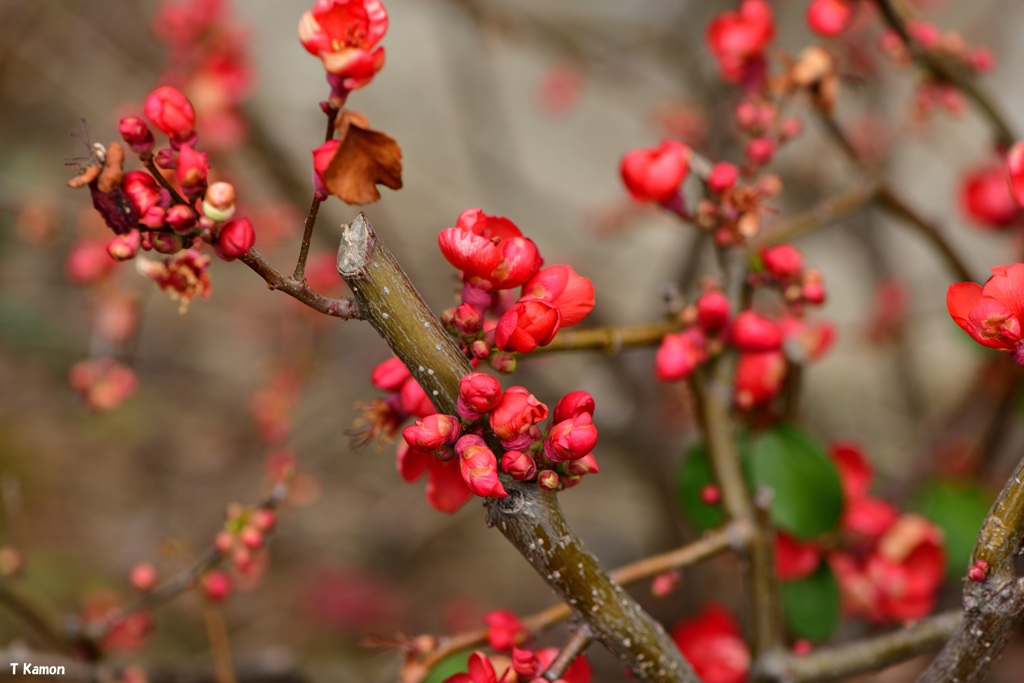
(572, 649)
(340, 308)
(314, 209)
(610, 339)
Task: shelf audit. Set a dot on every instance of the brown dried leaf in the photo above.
(365, 158)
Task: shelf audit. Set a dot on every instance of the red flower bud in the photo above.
(181, 219)
(548, 480)
(466, 319)
(710, 495)
(236, 238)
(713, 310)
(585, 465)
(518, 465)
(829, 17)
(794, 559)
(868, 518)
(759, 377)
(432, 432)
(978, 571)
(136, 133)
(760, 151)
(478, 394)
(524, 663)
(664, 584)
(166, 242)
(124, 247)
(986, 197)
(573, 404)
(516, 412)
(1015, 167)
(414, 400)
(192, 171)
(571, 439)
(322, 157)
(143, 576)
(390, 375)
(504, 363)
(738, 37)
(571, 294)
(655, 173)
(528, 324)
(504, 630)
(216, 585)
(142, 190)
(172, 113)
(783, 262)
(678, 355)
(479, 467)
(753, 332)
(713, 645)
(723, 176)
(88, 262)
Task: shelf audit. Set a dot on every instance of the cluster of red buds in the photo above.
(514, 659)
(171, 207)
(556, 457)
(766, 345)
(495, 258)
(244, 534)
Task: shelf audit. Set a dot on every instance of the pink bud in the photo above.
(518, 465)
(219, 201)
(665, 583)
(978, 571)
(580, 466)
(251, 537)
(166, 242)
(264, 519)
(548, 480)
(136, 133)
(572, 404)
(783, 262)
(236, 238)
(390, 375)
(710, 494)
(88, 262)
(479, 467)
(571, 439)
(503, 362)
(143, 576)
(432, 432)
(124, 247)
(181, 219)
(713, 310)
(678, 355)
(466, 319)
(216, 585)
(760, 151)
(753, 332)
(723, 176)
(524, 663)
(172, 113)
(829, 17)
(479, 393)
(192, 171)
(224, 541)
(758, 378)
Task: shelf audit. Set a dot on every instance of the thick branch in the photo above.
(530, 518)
(872, 654)
(992, 607)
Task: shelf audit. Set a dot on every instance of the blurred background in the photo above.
(522, 108)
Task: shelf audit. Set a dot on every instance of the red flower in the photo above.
(794, 559)
(712, 644)
(446, 490)
(322, 157)
(986, 197)
(737, 38)
(829, 17)
(480, 671)
(571, 294)
(343, 33)
(654, 174)
(527, 325)
(390, 375)
(713, 310)
(172, 113)
(490, 251)
(479, 467)
(753, 332)
(142, 190)
(992, 314)
(504, 630)
(578, 672)
(855, 471)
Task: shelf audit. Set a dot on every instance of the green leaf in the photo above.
(958, 508)
(807, 498)
(454, 663)
(694, 474)
(811, 605)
